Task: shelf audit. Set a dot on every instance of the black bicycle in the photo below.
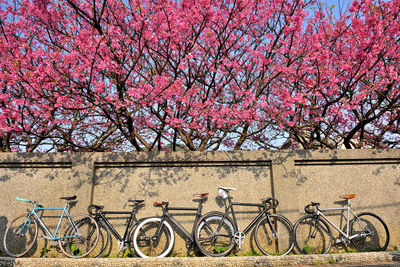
(154, 237)
(217, 233)
(125, 241)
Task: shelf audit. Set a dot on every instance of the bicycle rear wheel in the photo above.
(147, 244)
(79, 236)
(312, 235)
(20, 235)
(214, 234)
(275, 241)
(104, 237)
(372, 232)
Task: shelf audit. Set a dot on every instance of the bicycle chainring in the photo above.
(239, 238)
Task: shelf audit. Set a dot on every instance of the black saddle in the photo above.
(135, 200)
(68, 198)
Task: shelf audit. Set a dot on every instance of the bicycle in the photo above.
(154, 237)
(22, 232)
(366, 231)
(125, 241)
(217, 233)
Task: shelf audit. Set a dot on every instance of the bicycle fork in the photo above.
(313, 228)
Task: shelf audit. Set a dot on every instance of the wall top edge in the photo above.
(270, 155)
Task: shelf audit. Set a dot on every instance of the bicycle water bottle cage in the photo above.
(348, 196)
(202, 195)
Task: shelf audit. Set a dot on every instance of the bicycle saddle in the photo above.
(202, 195)
(227, 189)
(155, 203)
(348, 196)
(135, 200)
(69, 198)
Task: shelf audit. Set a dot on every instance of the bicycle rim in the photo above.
(20, 235)
(81, 239)
(275, 241)
(312, 236)
(145, 242)
(214, 235)
(373, 234)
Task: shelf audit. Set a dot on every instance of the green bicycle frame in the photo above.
(36, 208)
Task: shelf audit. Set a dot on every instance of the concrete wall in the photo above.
(294, 177)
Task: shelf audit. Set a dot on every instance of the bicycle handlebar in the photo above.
(30, 201)
(309, 210)
(271, 202)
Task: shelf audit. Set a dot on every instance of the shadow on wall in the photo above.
(3, 226)
(149, 176)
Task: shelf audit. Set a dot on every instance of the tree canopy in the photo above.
(150, 75)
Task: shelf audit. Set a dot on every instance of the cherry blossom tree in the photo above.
(197, 75)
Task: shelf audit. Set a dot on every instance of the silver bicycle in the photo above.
(365, 231)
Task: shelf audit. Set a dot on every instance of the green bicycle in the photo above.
(71, 232)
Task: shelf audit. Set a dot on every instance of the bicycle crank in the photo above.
(239, 239)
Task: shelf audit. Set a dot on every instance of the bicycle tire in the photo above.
(269, 244)
(80, 245)
(375, 233)
(104, 240)
(305, 242)
(209, 242)
(104, 237)
(131, 232)
(16, 244)
(143, 238)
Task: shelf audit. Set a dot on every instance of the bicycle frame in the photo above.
(349, 212)
(167, 216)
(254, 221)
(51, 236)
(132, 217)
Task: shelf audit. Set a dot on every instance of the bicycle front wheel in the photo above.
(148, 243)
(79, 236)
(104, 236)
(214, 234)
(274, 236)
(312, 235)
(20, 235)
(369, 232)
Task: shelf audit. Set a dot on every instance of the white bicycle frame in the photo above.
(349, 211)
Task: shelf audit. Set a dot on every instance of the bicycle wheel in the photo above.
(214, 234)
(104, 241)
(104, 236)
(20, 235)
(146, 244)
(79, 236)
(372, 232)
(130, 238)
(275, 241)
(312, 235)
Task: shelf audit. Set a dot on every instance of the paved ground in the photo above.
(366, 264)
(372, 259)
